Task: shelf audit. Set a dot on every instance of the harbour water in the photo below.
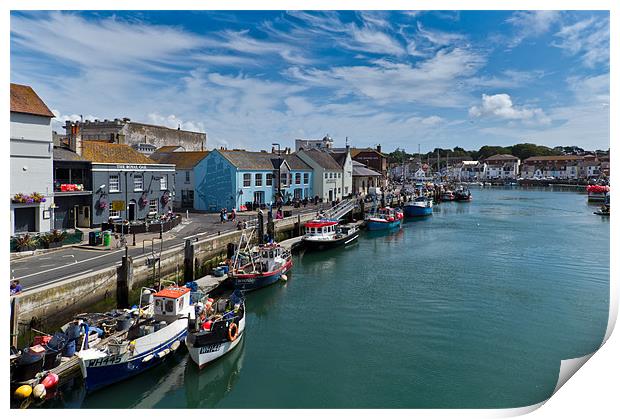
(473, 307)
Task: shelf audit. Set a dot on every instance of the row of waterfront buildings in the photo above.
(119, 169)
(509, 167)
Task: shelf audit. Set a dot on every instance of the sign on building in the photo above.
(118, 205)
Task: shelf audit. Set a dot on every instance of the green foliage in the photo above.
(25, 242)
(525, 150)
(490, 150)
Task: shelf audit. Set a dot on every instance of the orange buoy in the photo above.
(233, 332)
(50, 380)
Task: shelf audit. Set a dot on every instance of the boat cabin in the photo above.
(171, 301)
(314, 228)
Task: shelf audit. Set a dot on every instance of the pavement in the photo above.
(44, 269)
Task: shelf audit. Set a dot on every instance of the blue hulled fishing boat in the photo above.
(419, 207)
(384, 219)
(155, 331)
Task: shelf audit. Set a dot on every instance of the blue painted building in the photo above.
(232, 178)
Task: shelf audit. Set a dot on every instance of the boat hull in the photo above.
(105, 371)
(382, 225)
(251, 282)
(329, 244)
(204, 355)
(417, 211)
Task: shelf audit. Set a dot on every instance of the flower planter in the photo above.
(52, 245)
(26, 248)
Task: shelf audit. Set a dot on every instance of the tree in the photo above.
(525, 150)
(490, 150)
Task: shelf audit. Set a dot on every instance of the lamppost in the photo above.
(279, 165)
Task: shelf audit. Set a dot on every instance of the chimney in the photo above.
(75, 138)
(379, 148)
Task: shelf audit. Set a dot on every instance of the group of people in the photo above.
(225, 216)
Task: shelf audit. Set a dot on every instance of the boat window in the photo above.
(169, 306)
(158, 304)
(271, 255)
(180, 303)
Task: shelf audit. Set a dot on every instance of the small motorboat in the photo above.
(384, 219)
(155, 330)
(325, 234)
(215, 328)
(421, 206)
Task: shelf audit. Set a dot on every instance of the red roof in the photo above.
(320, 223)
(172, 292)
(25, 100)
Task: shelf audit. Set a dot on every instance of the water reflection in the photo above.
(207, 387)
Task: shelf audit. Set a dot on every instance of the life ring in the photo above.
(233, 331)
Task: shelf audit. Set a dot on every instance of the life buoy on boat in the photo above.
(233, 331)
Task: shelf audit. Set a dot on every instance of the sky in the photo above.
(399, 79)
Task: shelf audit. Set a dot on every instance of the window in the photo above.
(338, 190)
(325, 175)
(297, 178)
(331, 175)
(163, 183)
(339, 175)
(187, 175)
(306, 178)
(283, 178)
(269, 180)
(153, 205)
(258, 179)
(114, 214)
(138, 182)
(115, 184)
(247, 180)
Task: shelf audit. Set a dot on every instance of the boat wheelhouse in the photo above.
(323, 234)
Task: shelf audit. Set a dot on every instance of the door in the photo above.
(131, 211)
(259, 197)
(84, 216)
(331, 195)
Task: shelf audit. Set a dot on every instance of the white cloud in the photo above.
(587, 38)
(532, 23)
(501, 106)
(439, 37)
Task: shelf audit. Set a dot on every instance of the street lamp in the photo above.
(279, 165)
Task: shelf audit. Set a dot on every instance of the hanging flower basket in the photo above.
(165, 198)
(102, 204)
(143, 201)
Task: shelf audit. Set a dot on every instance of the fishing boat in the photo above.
(254, 267)
(325, 234)
(419, 207)
(384, 219)
(155, 330)
(462, 195)
(215, 328)
(605, 208)
(597, 193)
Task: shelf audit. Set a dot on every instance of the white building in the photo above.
(32, 159)
(328, 174)
(502, 166)
(472, 171)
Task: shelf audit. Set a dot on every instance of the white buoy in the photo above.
(284, 277)
(147, 358)
(175, 345)
(39, 391)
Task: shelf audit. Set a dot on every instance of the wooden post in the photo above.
(123, 280)
(188, 262)
(14, 324)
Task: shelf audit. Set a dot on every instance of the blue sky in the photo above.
(438, 79)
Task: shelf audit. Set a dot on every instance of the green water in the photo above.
(471, 308)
